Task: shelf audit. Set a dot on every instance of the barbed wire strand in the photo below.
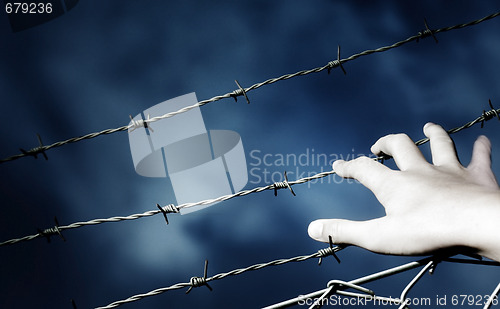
(194, 283)
(199, 281)
(41, 149)
(56, 230)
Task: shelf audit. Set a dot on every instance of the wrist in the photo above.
(481, 230)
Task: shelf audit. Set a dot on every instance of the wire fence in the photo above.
(203, 281)
(427, 32)
(334, 286)
(319, 298)
(171, 208)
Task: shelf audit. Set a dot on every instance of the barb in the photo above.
(142, 123)
(242, 91)
(219, 276)
(52, 231)
(282, 185)
(336, 63)
(328, 251)
(35, 151)
(171, 208)
(487, 115)
(427, 32)
(238, 92)
(334, 286)
(199, 281)
(166, 209)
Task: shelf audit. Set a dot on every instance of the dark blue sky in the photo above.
(91, 68)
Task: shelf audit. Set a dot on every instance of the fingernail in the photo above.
(315, 230)
(428, 124)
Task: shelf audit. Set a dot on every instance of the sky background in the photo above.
(89, 69)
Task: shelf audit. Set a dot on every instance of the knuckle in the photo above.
(362, 161)
(401, 138)
(395, 140)
(335, 233)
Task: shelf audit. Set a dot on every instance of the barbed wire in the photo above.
(334, 286)
(41, 149)
(171, 208)
(200, 281)
(165, 209)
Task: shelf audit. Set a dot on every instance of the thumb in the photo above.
(363, 234)
(480, 164)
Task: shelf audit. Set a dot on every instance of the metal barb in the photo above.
(171, 208)
(328, 251)
(141, 123)
(238, 92)
(382, 157)
(37, 150)
(336, 63)
(227, 197)
(493, 110)
(199, 281)
(52, 231)
(487, 115)
(147, 125)
(426, 32)
(270, 81)
(282, 185)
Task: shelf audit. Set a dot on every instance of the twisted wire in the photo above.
(202, 281)
(65, 142)
(487, 115)
(429, 266)
(157, 211)
(243, 91)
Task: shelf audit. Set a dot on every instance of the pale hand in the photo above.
(429, 207)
